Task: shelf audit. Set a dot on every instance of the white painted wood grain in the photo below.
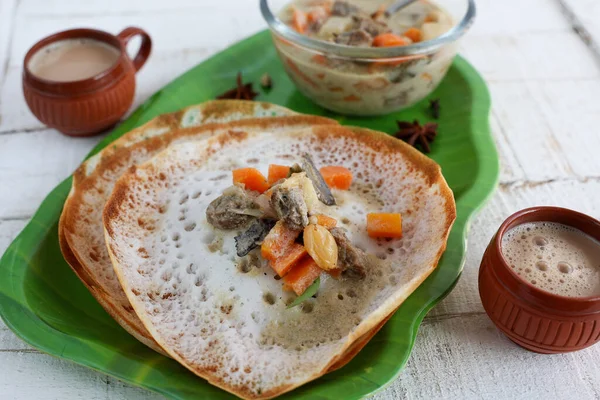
(31, 164)
(531, 138)
(15, 117)
(514, 17)
(572, 110)
(72, 8)
(171, 29)
(549, 128)
(510, 168)
(543, 78)
(468, 358)
(37, 376)
(7, 12)
(530, 56)
(584, 14)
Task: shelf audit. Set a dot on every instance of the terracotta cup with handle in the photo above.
(88, 106)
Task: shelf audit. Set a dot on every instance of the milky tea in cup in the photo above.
(73, 59)
(554, 257)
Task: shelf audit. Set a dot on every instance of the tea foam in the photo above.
(554, 257)
(73, 59)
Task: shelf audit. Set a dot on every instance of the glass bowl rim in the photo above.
(427, 47)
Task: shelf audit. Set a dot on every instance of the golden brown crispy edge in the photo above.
(122, 318)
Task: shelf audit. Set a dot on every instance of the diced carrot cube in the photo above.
(284, 41)
(301, 276)
(251, 178)
(414, 34)
(375, 67)
(299, 21)
(319, 59)
(277, 172)
(352, 98)
(388, 40)
(300, 74)
(335, 273)
(326, 221)
(279, 248)
(382, 225)
(277, 242)
(284, 263)
(337, 177)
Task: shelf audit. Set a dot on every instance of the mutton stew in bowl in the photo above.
(351, 57)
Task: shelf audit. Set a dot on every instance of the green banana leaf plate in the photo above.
(46, 305)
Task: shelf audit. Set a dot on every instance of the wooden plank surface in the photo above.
(541, 60)
(29, 167)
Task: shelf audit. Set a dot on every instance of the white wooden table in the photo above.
(542, 62)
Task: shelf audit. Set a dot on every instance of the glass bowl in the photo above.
(367, 81)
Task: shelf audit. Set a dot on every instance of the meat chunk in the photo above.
(356, 38)
(343, 9)
(252, 237)
(263, 202)
(370, 26)
(351, 259)
(231, 210)
(290, 206)
(301, 181)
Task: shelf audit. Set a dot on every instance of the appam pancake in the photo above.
(81, 235)
(183, 279)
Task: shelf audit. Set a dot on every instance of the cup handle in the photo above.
(142, 55)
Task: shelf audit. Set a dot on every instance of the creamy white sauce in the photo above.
(369, 88)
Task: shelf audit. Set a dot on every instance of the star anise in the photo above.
(240, 92)
(416, 135)
(434, 107)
